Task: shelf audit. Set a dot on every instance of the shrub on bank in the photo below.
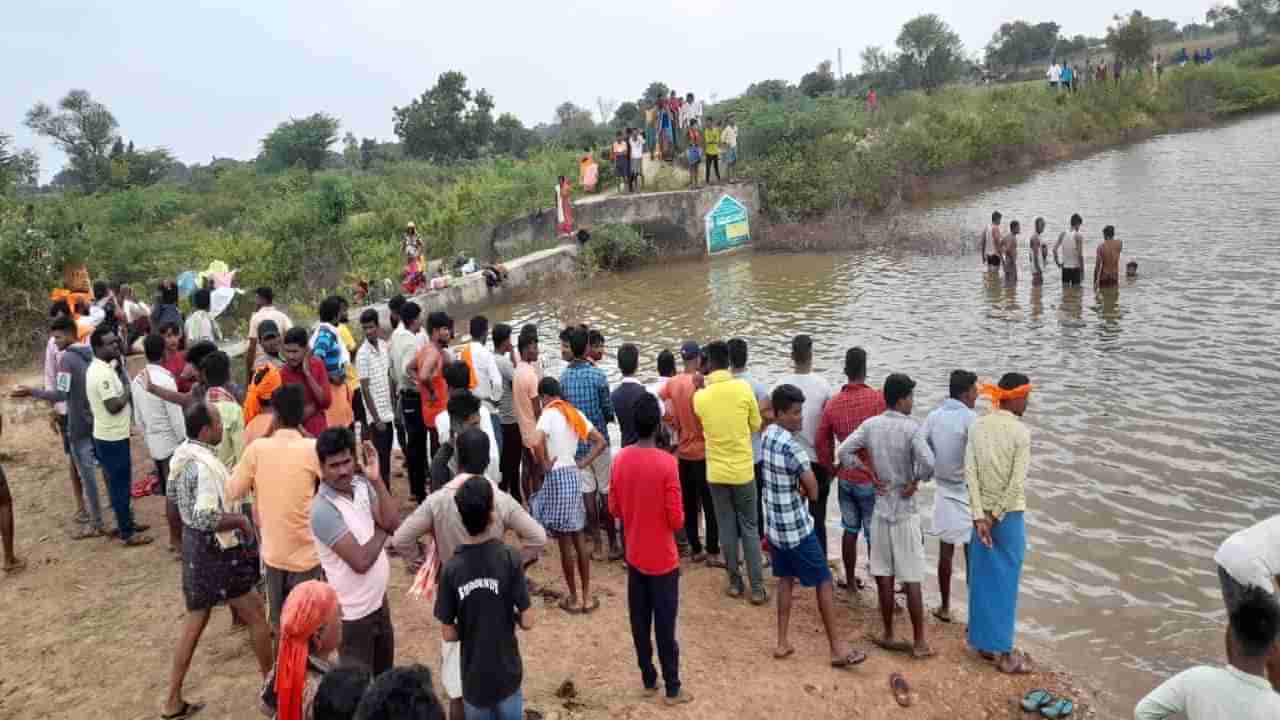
(616, 247)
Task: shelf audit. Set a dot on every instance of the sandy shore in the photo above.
(89, 630)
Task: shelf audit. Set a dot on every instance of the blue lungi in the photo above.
(994, 576)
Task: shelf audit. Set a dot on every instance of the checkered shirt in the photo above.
(372, 364)
(786, 513)
(853, 405)
(586, 387)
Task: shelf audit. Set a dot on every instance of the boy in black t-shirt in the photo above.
(481, 598)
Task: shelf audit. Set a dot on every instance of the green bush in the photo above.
(616, 247)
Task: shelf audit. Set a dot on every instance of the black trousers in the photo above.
(370, 641)
(509, 460)
(382, 440)
(697, 500)
(654, 603)
(818, 508)
(415, 448)
(710, 160)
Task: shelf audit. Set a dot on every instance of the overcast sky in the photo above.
(206, 78)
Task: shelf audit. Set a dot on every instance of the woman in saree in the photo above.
(564, 207)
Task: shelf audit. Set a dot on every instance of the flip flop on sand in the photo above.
(942, 615)
(850, 659)
(901, 646)
(17, 566)
(924, 654)
(1059, 708)
(783, 653)
(569, 605)
(187, 710)
(1036, 699)
(901, 689)
(86, 532)
(138, 540)
(592, 607)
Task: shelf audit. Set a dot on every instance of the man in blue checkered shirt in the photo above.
(793, 544)
(584, 386)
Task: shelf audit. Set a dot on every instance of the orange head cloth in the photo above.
(576, 421)
(999, 394)
(471, 367)
(266, 380)
(308, 606)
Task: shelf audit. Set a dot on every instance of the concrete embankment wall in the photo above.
(674, 219)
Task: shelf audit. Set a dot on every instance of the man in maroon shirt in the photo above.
(314, 379)
(645, 495)
(843, 414)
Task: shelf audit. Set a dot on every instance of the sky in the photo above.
(205, 78)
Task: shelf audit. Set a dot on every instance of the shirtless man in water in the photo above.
(1009, 254)
(991, 243)
(1039, 254)
(1106, 269)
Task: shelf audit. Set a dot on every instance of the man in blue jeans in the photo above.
(842, 415)
(107, 388)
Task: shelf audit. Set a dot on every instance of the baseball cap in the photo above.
(690, 350)
(896, 387)
(268, 329)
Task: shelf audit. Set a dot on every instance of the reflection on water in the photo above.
(1153, 416)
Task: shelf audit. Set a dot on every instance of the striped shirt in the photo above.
(786, 514)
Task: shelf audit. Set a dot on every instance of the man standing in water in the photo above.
(1038, 254)
(1009, 254)
(947, 430)
(997, 453)
(1106, 268)
(991, 243)
(1071, 245)
(902, 460)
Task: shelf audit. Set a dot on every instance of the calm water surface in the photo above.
(1154, 413)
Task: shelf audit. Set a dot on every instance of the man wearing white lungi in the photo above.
(947, 431)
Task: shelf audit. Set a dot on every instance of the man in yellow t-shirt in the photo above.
(107, 389)
(711, 137)
(728, 412)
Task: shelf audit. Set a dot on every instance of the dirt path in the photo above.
(89, 630)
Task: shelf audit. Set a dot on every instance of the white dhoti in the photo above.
(952, 521)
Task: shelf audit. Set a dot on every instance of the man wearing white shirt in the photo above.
(455, 376)
(486, 380)
(1054, 74)
(1251, 559)
(163, 426)
(1238, 691)
(817, 391)
(1071, 246)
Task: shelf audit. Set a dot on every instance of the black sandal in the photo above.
(187, 710)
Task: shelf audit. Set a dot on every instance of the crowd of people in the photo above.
(999, 250)
(671, 125)
(279, 500)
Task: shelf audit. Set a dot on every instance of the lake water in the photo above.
(1152, 418)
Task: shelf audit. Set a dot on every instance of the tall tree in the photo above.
(606, 106)
(570, 116)
(511, 137)
(447, 123)
(1131, 38)
(1249, 18)
(628, 115)
(771, 90)
(351, 150)
(300, 140)
(655, 92)
(819, 82)
(17, 167)
(930, 53)
(82, 128)
(1019, 44)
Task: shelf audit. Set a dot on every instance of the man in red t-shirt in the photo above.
(843, 414)
(314, 380)
(692, 455)
(645, 494)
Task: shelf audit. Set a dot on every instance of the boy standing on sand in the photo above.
(793, 545)
(902, 459)
(1106, 268)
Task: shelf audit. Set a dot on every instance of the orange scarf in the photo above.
(308, 607)
(999, 394)
(571, 414)
(266, 382)
(471, 366)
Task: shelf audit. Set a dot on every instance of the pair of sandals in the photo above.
(1047, 704)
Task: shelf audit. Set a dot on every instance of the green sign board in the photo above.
(727, 226)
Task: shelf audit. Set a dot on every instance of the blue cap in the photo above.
(690, 350)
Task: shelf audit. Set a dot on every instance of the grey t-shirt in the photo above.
(817, 391)
(506, 411)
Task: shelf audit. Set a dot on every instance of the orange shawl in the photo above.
(576, 421)
(471, 366)
(266, 381)
(999, 394)
(308, 607)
